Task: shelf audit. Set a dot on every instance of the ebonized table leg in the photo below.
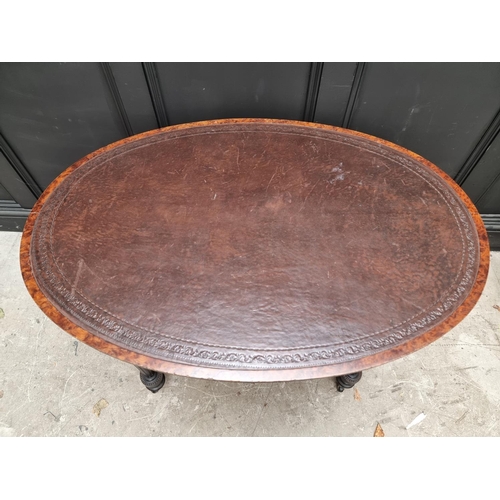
(152, 380)
(348, 381)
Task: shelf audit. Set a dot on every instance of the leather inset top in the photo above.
(255, 245)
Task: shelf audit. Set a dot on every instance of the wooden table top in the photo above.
(255, 250)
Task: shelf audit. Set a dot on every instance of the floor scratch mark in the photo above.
(66, 385)
(35, 356)
(262, 409)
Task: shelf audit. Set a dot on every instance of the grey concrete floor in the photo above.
(53, 385)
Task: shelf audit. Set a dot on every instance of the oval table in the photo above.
(254, 250)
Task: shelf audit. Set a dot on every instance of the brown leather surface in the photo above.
(255, 246)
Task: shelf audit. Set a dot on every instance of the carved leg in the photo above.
(152, 380)
(348, 381)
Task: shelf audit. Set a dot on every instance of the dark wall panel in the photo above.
(12, 222)
(55, 113)
(483, 184)
(135, 96)
(205, 91)
(439, 110)
(335, 87)
(4, 194)
(14, 185)
(490, 201)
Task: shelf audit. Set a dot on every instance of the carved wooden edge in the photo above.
(269, 375)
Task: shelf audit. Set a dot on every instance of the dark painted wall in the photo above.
(52, 114)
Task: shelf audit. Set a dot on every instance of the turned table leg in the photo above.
(152, 380)
(348, 381)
